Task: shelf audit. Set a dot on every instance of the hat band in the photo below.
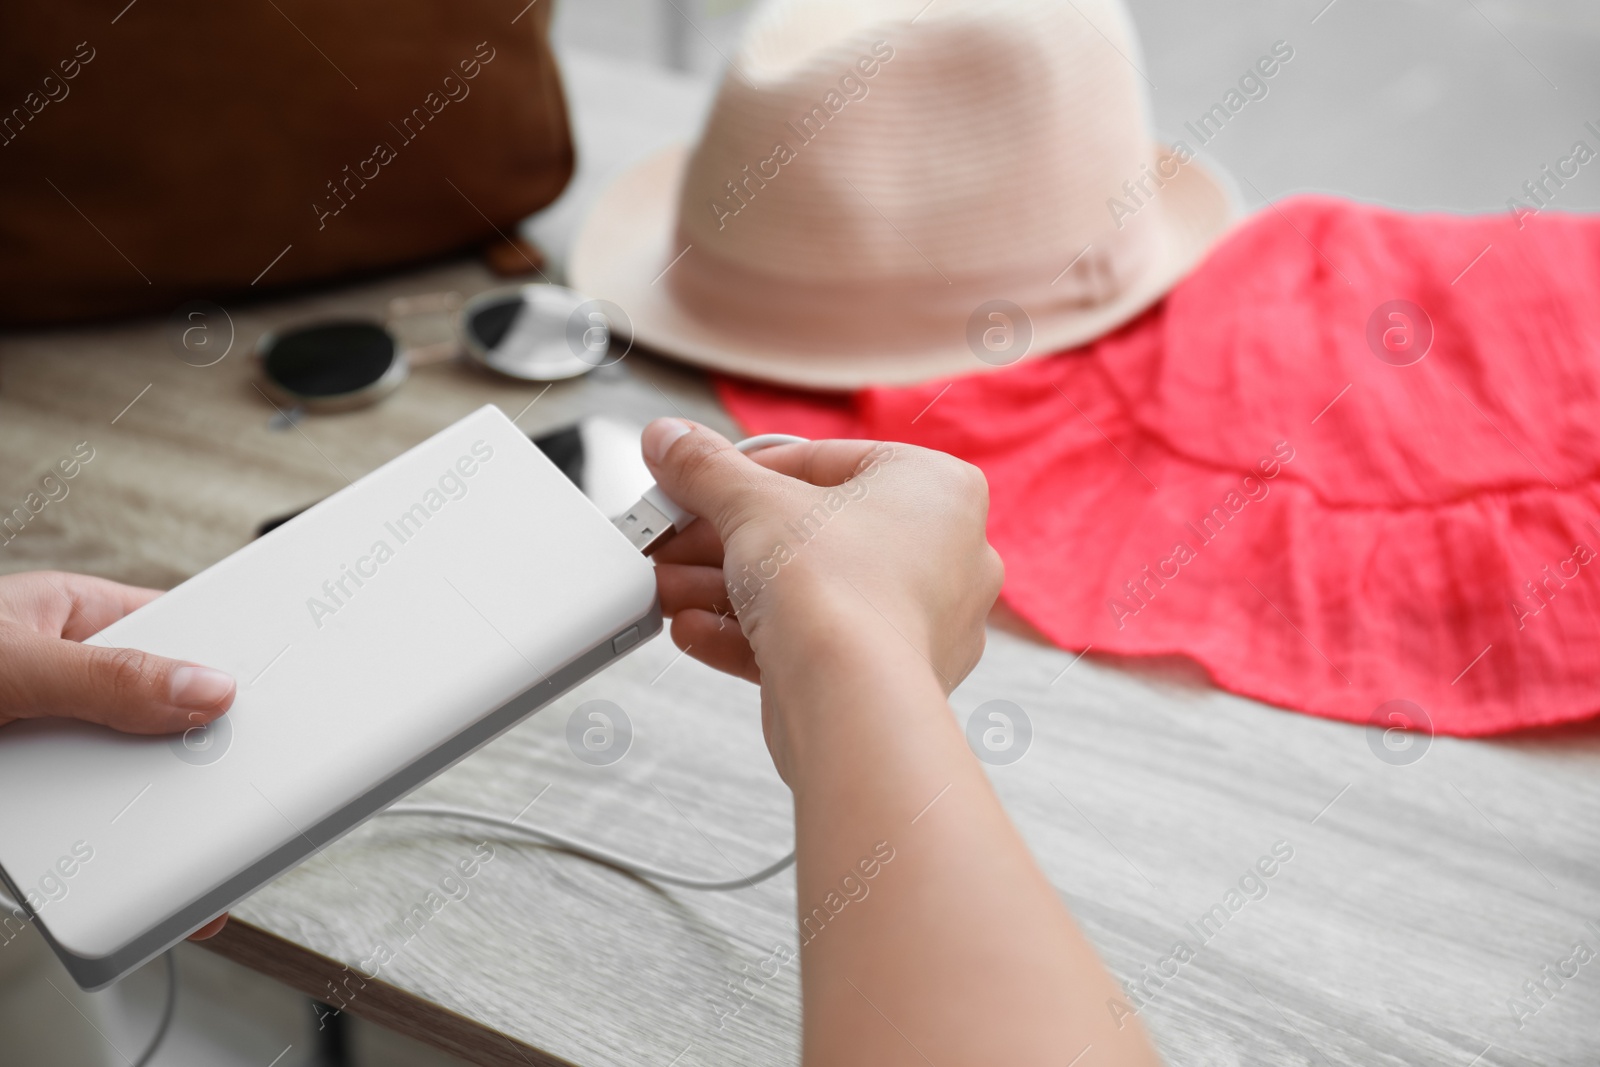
(896, 313)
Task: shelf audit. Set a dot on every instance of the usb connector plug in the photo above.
(653, 520)
(645, 526)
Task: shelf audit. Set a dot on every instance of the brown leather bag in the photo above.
(186, 148)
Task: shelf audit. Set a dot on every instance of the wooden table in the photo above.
(1418, 900)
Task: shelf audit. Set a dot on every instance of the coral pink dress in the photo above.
(1350, 460)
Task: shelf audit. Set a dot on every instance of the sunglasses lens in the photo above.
(331, 359)
(529, 333)
(491, 323)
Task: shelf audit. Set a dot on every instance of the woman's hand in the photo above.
(46, 673)
(797, 536)
(834, 550)
(861, 580)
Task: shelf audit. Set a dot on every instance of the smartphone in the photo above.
(598, 453)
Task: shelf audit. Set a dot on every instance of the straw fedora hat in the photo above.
(888, 191)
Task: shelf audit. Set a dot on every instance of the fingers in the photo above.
(699, 544)
(826, 463)
(210, 929)
(715, 641)
(703, 472)
(122, 688)
(101, 603)
(684, 588)
(73, 606)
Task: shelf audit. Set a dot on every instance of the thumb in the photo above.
(702, 471)
(132, 691)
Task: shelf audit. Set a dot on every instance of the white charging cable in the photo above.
(591, 852)
(656, 516)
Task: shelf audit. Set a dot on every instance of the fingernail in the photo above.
(659, 435)
(201, 688)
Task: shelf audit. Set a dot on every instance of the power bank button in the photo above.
(625, 640)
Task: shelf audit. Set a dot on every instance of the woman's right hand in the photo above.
(845, 550)
(863, 580)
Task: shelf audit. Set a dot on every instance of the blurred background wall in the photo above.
(1421, 104)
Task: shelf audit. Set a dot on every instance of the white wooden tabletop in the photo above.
(1417, 900)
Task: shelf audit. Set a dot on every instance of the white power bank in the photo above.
(377, 639)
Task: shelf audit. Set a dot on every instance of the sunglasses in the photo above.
(532, 333)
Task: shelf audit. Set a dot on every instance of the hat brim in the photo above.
(624, 249)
